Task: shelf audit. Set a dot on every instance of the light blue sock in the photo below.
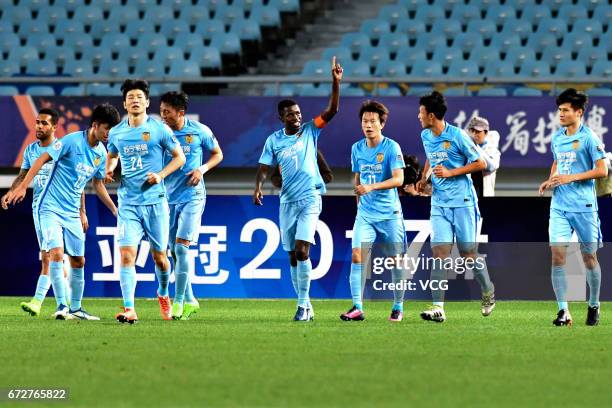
(398, 294)
(303, 274)
(189, 296)
(294, 278)
(559, 285)
(355, 283)
(594, 279)
(56, 272)
(127, 279)
(67, 288)
(181, 272)
(42, 287)
(77, 285)
(481, 274)
(163, 279)
(438, 273)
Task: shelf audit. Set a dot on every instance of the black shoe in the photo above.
(564, 318)
(592, 316)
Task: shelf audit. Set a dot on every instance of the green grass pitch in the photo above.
(248, 353)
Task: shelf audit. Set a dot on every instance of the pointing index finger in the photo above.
(334, 62)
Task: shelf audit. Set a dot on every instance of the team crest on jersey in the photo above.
(575, 144)
(146, 136)
(97, 161)
(380, 157)
(189, 139)
(446, 145)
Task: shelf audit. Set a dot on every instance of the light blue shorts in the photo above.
(562, 225)
(298, 221)
(61, 232)
(450, 225)
(135, 221)
(185, 220)
(382, 231)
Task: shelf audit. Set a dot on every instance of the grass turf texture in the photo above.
(249, 353)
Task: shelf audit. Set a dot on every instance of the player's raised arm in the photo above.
(18, 193)
(260, 177)
(334, 101)
(178, 159)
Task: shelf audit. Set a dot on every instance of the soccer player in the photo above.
(579, 158)
(294, 148)
(140, 141)
(186, 193)
(46, 124)
(451, 157)
(378, 166)
(78, 157)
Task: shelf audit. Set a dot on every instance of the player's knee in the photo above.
(56, 255)
(440, 251)
(127, 258)
(77, 262)
(301, 254)
(558, 258)
(160, 258)
(590, 260)
(181, 250)
(356, 255)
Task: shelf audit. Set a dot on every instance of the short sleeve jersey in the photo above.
(31, 153)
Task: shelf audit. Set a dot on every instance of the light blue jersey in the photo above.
(297, 157)
(141, 150)
(452, 149)
(194, 138)
(576, 154)
(374, 165)
(31, 153)
(76, 162)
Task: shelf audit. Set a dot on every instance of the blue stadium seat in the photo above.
(69, 28)
(541, 41)
(193, 14)
(311, 90)
(138, 28)
(602, 68)
(446, 55)
(390, 69)
(168, 56)
(8, 90)
(9, 68)
(103, 27)
(554, 26)
(23, 55)
(6, 28)
(266, 16)
(485, 4)
(393, 42)
(69, 5)
(98, 54)
(158, 89)
(429, 41)
(51, 14)
(228, 14)
(286, 6)
(373, 55)
(209, 28)
(499, 69)
(521, 28)
(448, 28)
(535, 69)
(116, 42)
(388, 91)
(410, 55)
(148, 69)
(605, 41)
(59, 54)
(413, 5)
(113, 68)
(247, 5)
(40, 90)
(41, 41)
(29, 27)
(375, 28)
(103, 90)
(157, 15)
(599, 92)
(483, 56)
(78, 90)
(8, 42)
(108, 5)
(132, 55)
(355, 69)
(465, 13)
(533, 13)
(393, 13)
(16, 14)
(554, 55)
(206, 57)
(449, 4)
(151, 42)
(463, 69)
(317, 68)
(572, 12)
(412, 28)
(124, 15)
(499, 14)
(492, 92)
(172, 28)
(78, 68)
(217, 4)
(186, 69)
(485, 28)
(143, 5)
(570, 69)
(590, 55)
(227, 43)
(188, 41)
(553, 4)
(576, 41)
(429, 13)
(175, 5)
(353, 91)
(457, 91)
(354, 41)
(246, 29)
(341, 53)
(466, 42)
(603, 13)
(419, 90)
(525, 91)
(283, 90)
(424, 68)
(588, 26)
(41, 68)
(87, 15)
(517, 56)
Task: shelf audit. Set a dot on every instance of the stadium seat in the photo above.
(499, 14)
(206, 57)
(113, 68)
(138, 28)
(40, 41)
(97, 54)
(41, 68)
(8, 90)
(503, 42)
(132, 55)
(157, 15)
(158, 89)
(535, 69)
(168, 56)
(576, 41)
(605, 41)
(8, 42)
(466, 42)
(429, 13)
(412, 28)
(87, 15)
(393, 42)
(553, 55)
(108, 5)
(247, 5)
(318, 68)
(355, 41)
(172, 28)
(40, 90)
(286, 6)
(424, 68)
(115, 42)
(78, 68)
(413, 5)
(393, 13)
(522, 28)
(29, 27)
(9, 68)
(194, 14)
(217, 4)
(418, 91)
(492, 92)
(485, 4)
(588, 26)
(372, 56)
(59, 54)
(599, 92)
(246, 30)
(143, 5)
(603, 13)
(69, 28)
(209, 28)
(23, 55)
(602, 69)
(266, 16)
(148, 69)
(101, 28)
(69, 5)
(590, 55)
(533, 13)
(124, 15)
(553, 26)
(463, 69)
(410, 55)
(341, 53)
(51, 14)
(227, 43)
(151, 42)
(448, 28)
(282, 90)
(524, 91)
(572, 12)
(485, 28)
(570, 69)
(499, 69)
(228, 14)
(390, 69)
(483, 56)
(389, 91)
(188, 41)
(311, 90)
(517, 56)
(6, 28)
(354, 68)
(553, 4)
(539, 41)
(16, 13)
(465, 13)
(457, 91)
(449, 4)
(186, 69)
(445, 55)
(103, 90)
(175, 5)
(375, 28)
(429, 41)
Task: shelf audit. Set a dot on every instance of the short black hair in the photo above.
(285, 103)
(130, 84)
(105, 114)
(178, 100)
(51, 112)
(578, 100)
(434, 103)
(375, 107)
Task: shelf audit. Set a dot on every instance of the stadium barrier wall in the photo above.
(242, 124)
(239, 255)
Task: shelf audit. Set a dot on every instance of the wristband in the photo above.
(203, 168)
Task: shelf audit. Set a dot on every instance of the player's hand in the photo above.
(258, 197)
(15, 196)
(543, 187)
(84, 221)
(108, 178)
(4, 201)
(442, 172)
(420, 185)
(154, 178)
(363, 189)
(336, 70)
(195, 177)
(561, 179)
